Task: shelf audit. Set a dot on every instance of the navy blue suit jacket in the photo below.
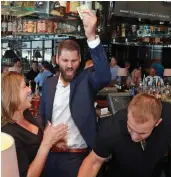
(83, 87)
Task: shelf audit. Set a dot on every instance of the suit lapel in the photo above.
(51, 96)
(72, 87)
(75, 81)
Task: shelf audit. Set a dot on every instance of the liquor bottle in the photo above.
(9, 28)
(141, 86)
(20, 26)
(1, 24)
(56, 6)
(37, 93)
(4, 25)
(167, 90)
(71, 7)
(148, 82)
(97, 8)
(154, 86)
(158, 83)
(132, 90)
(101, 19)
(123, 30)
(14, 26)
(62, 7)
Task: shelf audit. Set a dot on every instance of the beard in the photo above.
(67, 77)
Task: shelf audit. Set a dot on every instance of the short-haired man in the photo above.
(114, 68)
(69, 98)
(136, 137)
(32, 74)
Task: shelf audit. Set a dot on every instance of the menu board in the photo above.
(154, 10)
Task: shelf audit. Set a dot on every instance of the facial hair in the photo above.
(65, 76)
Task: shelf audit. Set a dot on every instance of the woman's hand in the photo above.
(53, 134)
(61, 145)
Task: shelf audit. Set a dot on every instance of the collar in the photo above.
(60, 83)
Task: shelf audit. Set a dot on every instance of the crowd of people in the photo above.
(64, 140)
(154, 71)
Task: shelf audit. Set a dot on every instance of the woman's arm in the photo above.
(51, 136)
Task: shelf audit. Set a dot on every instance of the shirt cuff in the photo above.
(94, 43)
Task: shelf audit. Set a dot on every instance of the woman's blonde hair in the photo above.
(10, 100)
(134, 79)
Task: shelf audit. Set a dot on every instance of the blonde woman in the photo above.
(134, 79)
(32, 144)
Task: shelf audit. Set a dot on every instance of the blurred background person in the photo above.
(57, 71)
(114, 68)
(17, 66)
(42, 76)
(128, 67)
(30, 76)
(53, 61)
(158, 67)
(151, 77)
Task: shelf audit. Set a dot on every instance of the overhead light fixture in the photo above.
(37, 53)
(11, 52)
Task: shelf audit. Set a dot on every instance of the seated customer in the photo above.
(152, 75)
(42, 76)
(114, 68)
(135, 79)
(136, 137)
(32, 144)
(32, 74)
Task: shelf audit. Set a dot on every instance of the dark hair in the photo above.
(45, 64)
(113, 56)
(56, 68)
(127, 62)
(15, 60)
(153, 68)
(70, 45)
(35, 62)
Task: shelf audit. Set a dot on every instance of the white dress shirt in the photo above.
(61, 111)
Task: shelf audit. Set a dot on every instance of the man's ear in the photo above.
(158, 122)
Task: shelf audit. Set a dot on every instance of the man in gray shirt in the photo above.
(114, 68)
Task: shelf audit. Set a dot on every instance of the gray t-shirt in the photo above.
(114, 71)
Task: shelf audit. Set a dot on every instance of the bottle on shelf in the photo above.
(9, 24)
(37, 93)
(154, 86)
(20, 26)
(56, 8)
(123, 30)
(71, 7)
(4, 25)
(14, 26)
(132, 90)
(62, 7)
(97, 8)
